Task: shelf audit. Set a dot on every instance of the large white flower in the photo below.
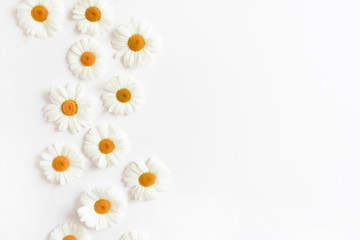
(146, 179)
(102, 208)
(135, 43)
(70, 231)
(41, 18)
(68, 108)
(95, 16)
(87, 59)
(106, 145)
(61, 163)
(134, 236)
(123, 95)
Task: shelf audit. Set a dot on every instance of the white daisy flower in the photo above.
(106, 145)
(62, 163)
(68, 108)
(87, 59)
(41, 18)
(146, 179)
(70, 231)
(134, 236)
(123, 95)
(102, 207)
(95, 16)
(135, 43)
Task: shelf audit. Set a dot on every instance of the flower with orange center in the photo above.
(146, 179)
(70, 231)
(94, 16)
(87, 59)
(68, 108)
(123, 95)
(135, 43)
(61, 163)
(106, 145)
(102, 207)
(41, 18)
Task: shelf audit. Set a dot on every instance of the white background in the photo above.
(253, 104)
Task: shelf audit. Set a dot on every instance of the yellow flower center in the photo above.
(106, 146)
(87, 59)
(61, 163)
(39, 13)
(136, 42)
(69, 107)
(102, 206)
(69, 237)
(123, 95)
(147, 179)
(93, 14)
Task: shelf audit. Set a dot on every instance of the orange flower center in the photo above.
(39, 13)
(106, 146)
(123, 95)
(69, 237)
(69, 107)
(61, 163)
(87, 59)
(93, 14)
(136, 42)
(102, 206)
(147, 179)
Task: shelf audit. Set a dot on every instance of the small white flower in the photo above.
(62, 163)
(95, 16)
(102, 208)
(41, 18)
(135, 43)
(134, 236)
(146, 179)
(87, 59)
(106, 145)
(68, 108)
(70, 231)
(123, 95)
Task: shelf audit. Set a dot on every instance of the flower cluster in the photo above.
(69, 108)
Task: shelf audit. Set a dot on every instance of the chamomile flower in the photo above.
(68, 108)
(123, 95)
(146, 179)
(135, 43)
(41, 18)
(106, 145)
(61, 163)
(87, 59)
(70, 231)
(94, 16)
(102, 207)
(134, 236)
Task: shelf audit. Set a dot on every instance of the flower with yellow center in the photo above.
(106, 145)
(102, 207)
(61, 163)
(68, 108)
(134, 236)
(94, 16)
(70, 231)
(135, 43)
(87, 59)
(146, 179)
(123, 95)
(41, 18)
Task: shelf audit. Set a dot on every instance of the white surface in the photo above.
(253, 104)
